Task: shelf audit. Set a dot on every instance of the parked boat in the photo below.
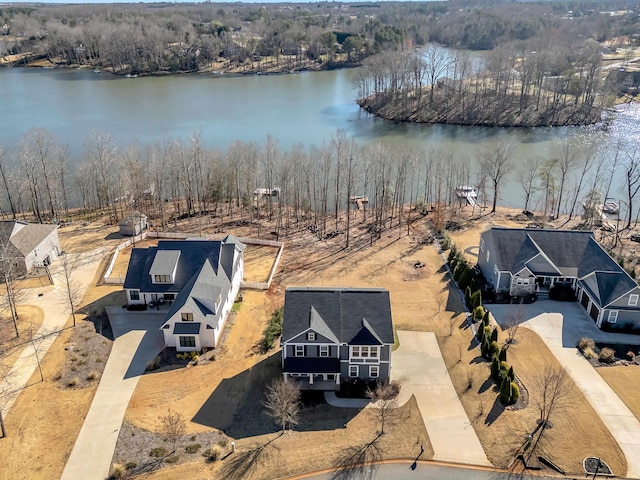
(611, 208)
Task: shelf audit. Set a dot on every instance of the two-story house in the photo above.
(199, 278)
(330, 335)
(27, 245)
(519, 262)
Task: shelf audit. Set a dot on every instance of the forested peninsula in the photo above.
(504, 63)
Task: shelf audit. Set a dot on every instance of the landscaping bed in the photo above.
(601, 354)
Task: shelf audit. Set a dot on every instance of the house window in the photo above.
(482, 244)
(522, 281)
(188, 341)
(633, 300)
(374, 371)
(613, 316)
(488, 255)
(353, 370)
(187, 317)
(134, 294)
(299, 351)
(324, 350)
(162, 279)
(364, 352)
(311, 336)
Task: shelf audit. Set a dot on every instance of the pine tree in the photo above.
(480, 334)
(510, 374)
(494, 335)
(505, 391)
(495, 369)
(468, 298)
(502, 356)
(485, 319)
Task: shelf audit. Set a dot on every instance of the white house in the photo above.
(28, 245)
(133, 224)
(199, 278)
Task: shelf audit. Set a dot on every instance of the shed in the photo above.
(133, 224)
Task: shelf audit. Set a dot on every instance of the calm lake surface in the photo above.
(303, 108)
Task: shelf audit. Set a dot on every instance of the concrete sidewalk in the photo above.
(419, 366)
(622, 424)
(54, 302)
(138, 340)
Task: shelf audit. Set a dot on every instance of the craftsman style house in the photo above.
(200, 279)
(332, 335)
(26, 245)
(520, 262)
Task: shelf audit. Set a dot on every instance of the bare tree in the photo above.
(5, 181)
(385, 402)
(495, 163)
(551, 391)
(567, 159)
(513, 319)
(527, 177)
(173, 426)
(282, 403)
(72, 287)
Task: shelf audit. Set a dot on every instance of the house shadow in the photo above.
(96, 314)
(236, 405)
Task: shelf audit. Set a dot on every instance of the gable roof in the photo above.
(22, 236)
(193, 254)
(344, 314)
(202, 291)
(570, 253)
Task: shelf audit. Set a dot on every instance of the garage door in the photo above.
(584, 300)
(594, 312)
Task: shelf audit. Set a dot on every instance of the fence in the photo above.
(178, 235)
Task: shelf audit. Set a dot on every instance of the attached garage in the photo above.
(594, 312)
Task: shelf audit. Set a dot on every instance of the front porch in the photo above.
(315, 381)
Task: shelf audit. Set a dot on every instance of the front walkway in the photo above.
(622, 424)
(419, 367)
(138, 340)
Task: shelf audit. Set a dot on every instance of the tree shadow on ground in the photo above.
(236, 407)
(478, 359)
(116, 236)
(486, 385)
(496, 411)
(239, 465)
(358, 462)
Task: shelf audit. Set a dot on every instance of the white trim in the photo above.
(541, 252)
(625, 293)
(633, 299)
(377, 370)
(357, 371)
(613, 316)
(371, 349)
(311, 336)
(481, 244)
(320, 351)
(296, 351)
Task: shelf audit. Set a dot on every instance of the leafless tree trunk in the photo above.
(384, 398)
(528, 176)
(282, 403)
(495, 163)
(173, 426)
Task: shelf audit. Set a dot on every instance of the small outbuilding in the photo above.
(133, 224)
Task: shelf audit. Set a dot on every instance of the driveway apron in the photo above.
(419, 367)
(622, 424)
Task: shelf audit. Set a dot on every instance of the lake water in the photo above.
(303, 108)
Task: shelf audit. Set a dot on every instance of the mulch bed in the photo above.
(592, 465)
(143, 451)
(625, 355)
(86, 354)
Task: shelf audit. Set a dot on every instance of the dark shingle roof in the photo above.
(311, 365)
(192, 256)
(574, 254)
(345, 311)
(24, 239)
(186, 328)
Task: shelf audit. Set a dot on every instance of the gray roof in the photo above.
(573, 253)
(186, 328)
(23, 236)
(192, 256)
(343, 314)
(164, 262)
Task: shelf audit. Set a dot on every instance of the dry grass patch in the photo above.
(30, 320)
(623, 381)
(124, 255)
(258, 260)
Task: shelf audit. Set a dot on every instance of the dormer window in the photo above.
(162, 279)
(164, 266)
(311, 336)
(187, 317)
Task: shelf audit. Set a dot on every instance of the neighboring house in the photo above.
(199, 278)
(331, 335)
(133, 224)
(27, 245)
(519, 262)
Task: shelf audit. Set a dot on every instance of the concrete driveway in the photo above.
(419, 366)
(138, 340)
(556, 328)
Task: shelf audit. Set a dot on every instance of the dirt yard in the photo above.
(29, 321)
(620, 379)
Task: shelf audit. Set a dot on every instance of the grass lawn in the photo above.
(623, 381)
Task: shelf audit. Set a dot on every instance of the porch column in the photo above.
(311, 379)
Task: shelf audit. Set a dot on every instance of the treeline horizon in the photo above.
(155, 38)
(174, 180)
